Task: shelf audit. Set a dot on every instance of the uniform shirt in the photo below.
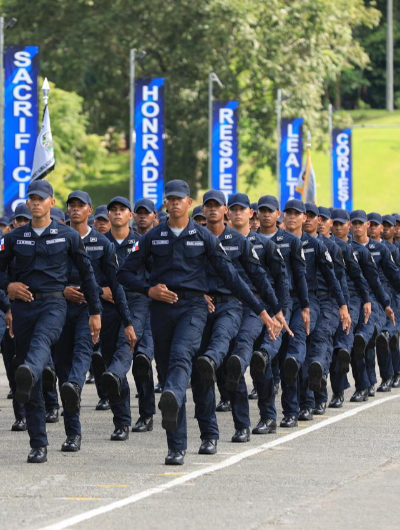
(394, 250)
(41, 262)
(180, 262)
(245, 258)
(273, 263)
(292, 251)
(338, 266)
(104, 263)
(389, 273)
(4, 302)
(318, 259)
(370, 272)
(356, 281)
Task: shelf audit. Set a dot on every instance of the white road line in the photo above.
(71, 521)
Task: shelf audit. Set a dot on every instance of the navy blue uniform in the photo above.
(180, 262)
(41, 262)
(139, 308)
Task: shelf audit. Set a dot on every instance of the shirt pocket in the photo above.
(25, 255)
(192, 249)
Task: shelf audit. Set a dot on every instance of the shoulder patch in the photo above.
(280, 253)
(303, 255)
(355, 257)
(255, 255)
(27, 234)
(328, 256)
(93, 240)
(191, 232)
(279, 238)
(54, 231)
(163, 234)
(135, 247)
(228, 236)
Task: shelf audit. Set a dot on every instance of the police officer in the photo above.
(5, 224)
(124, 239)
(180, 250)
(145, 216)
(198, 216)
(101, 221)
(41, 250)
(254, 222)
(58, 215)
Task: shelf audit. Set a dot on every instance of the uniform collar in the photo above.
(52, 226)
(130, 236)
(190, 229)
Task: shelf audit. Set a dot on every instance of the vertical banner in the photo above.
(225, 146)
(342, 169)
(20, 121)
(149, 144)
(291, 154)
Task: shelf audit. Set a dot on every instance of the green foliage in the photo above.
(255, 47)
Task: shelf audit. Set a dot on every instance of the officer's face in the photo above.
(144, 219)
(119, 215)
(324, 226)
(78, 211)
(39, 207)
(214, 211)
(102, 225)
(199, 220)
(397, 230)
(375, 230)
(254, 223)
(20, 221)
(5, 229)
(267, 217)
(311, 223)
(293, 219)
(388, 231)
(240, 216)
(359, 229)
(340, 230)
(178, 206)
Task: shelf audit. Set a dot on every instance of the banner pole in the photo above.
(279, 138)
(1, 115)
(132, 126)
(210, 116)
(330, 129)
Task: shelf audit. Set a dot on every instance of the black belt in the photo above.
(130, 295)
(221, 298)
(187, 295)
(51, 294)
(293, 292)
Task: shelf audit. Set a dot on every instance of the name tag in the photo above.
(160, 242)
(58, 240)
(93, 249)
(231, 248)
(24, 242)
(284, 245)
(376, 253)
(257, 246)
(308, 250)
(195, 243)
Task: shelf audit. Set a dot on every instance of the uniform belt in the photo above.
(51, 294)
(221, 298)
(130, 295)
(187, 295)
(293, 292)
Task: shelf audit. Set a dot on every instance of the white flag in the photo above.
(43, 159)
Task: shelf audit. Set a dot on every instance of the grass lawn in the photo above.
(376, 168)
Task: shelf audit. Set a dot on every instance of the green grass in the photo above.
(376, 169)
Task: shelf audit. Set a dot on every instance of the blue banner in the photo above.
(149, 145)
(225, 147)
(20, 121)
(291, 154)
(342, 169)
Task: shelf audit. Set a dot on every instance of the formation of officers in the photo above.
(296, 296)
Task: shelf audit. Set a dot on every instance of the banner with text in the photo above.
(149, 144)
(225, 147)
(342, 169)
(20, 121)
(291, 154)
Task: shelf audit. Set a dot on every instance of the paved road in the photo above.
(340, 471)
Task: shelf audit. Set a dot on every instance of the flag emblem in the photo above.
(135, 246)
(2, 246)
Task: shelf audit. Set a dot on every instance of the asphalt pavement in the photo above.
(339, 471)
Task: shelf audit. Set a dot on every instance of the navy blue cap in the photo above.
(40, 187)
(295, 204)
(4, 220)
(12, 217)
(279, 221)
(340, 215)
(22, 211)
(358, 215)
(148, 204)
(254, 206)
(120, 200)
(310, 207)
(375, 217)
(81, 195)
(324, 212)
(57, 214)
(390, 219)
(214, 195)
(101, 211)
(268, 201)
(396, 217)
(198, 211)
(90, 220)
(162, 216)
(240, 199)
(177, 188)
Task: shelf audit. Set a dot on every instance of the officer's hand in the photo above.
(305, 315)
(281, 319)
(19, 291)
(345, 318)
(107, 295)
(269, 324)
(95, 327)
(131, 336)
(8, 316)
(161, 293)
(73, 294)
(367, 311)
(390, 314)
(211, 306)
